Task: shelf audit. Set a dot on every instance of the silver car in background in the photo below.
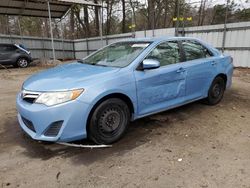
(14, 54)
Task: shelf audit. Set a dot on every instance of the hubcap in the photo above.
(216, 90)
(110, 120)
(23, 62)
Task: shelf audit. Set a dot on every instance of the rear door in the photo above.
(163, 87)
(7, 52)
(199, 64)
(1, 53)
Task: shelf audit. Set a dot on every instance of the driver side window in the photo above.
(166, 53)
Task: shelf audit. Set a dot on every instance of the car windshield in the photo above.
(118, 54)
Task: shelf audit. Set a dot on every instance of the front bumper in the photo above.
(72, 116)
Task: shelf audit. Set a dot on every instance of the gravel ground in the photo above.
(192, 146)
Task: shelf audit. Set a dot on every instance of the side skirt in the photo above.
(165, 109)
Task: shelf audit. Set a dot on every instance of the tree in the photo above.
(123, 16)
(86, 21)
(97, 22)
(151, 14)
(118, 17)
(219, 12)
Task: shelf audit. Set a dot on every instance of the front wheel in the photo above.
(216, 91)
(22, 62)
(109, 121)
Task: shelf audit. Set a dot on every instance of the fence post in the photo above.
(43, 45)
(107, 40)
(74, 49)
(224, 38)
(51, 33)
(62, 35)
(87, 46)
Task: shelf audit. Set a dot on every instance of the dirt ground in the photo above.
(192, 146)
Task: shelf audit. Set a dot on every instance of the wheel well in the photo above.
(24, 57)
(224, 76)
(121, 96)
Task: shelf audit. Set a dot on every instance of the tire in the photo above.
(22, 62)
(216, 91)
(109, 121)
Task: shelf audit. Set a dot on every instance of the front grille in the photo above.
(54, 129)
(28, 124)
(29, 96)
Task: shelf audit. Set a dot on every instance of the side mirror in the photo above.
(150, 64)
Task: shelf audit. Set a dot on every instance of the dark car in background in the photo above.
(14, 54)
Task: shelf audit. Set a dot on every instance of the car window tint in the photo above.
(1, 48)
(7, 48)
(166, 53)
(118, 54)
(10, 48)
(194, 50)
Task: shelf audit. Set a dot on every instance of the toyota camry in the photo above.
(97, 97)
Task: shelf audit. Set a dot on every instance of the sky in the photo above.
(242, 3)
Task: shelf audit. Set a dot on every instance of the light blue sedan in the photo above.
(98, 96)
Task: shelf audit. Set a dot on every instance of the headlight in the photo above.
(53, 98)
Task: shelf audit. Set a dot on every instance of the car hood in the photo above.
(68, 76)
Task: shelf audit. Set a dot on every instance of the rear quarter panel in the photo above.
(225, 66)
(224, 63)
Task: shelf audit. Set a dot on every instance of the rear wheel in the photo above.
(22, 62)
(216, 91)
(109, 121)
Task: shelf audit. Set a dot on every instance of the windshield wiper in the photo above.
(100, 65)
(80, 61)
(84, 62)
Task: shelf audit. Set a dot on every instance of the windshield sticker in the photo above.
(140, 45)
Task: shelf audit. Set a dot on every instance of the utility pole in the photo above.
(225, 27)
(51, 32)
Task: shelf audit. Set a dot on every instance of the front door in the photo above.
(161, 88)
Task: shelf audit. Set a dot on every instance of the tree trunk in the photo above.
(72, 24)
(47, 29)
(97, 22)
(80, 22)
(123, 17)
(133, 12)
(56, 30)
(109, 15)
(165, 13)
(86, 20)
(151, 4)
(175, 11)
(203, 12)
(199, 13)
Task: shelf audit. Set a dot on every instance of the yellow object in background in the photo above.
(132, 26)
(174, 19)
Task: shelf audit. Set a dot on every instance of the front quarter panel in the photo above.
(121, 82)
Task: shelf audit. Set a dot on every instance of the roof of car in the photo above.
(157, 39)
(3, 44)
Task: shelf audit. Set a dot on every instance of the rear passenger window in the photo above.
(194, 50)
(1, 48)
(10, 48)
(166, 53)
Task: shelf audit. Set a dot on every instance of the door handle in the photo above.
(180, 70)
(213, 62)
